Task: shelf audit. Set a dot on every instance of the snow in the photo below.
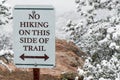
(61, 22)
(5, 32)
(8, 56)
(80, 72)
(104, 63)
(2, 63)
(111, 67)
(110, 30)
(76, 78)
(103, 42)
(102, 1)
(112, 45)
(89, 78)
(100, 23)
(102, 79)
(116, 35)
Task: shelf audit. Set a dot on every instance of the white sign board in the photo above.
(34, 36)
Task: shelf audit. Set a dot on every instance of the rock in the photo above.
(68, 58)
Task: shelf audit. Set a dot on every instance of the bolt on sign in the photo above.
(34, 36)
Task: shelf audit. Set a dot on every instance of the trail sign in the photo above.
(34, 36)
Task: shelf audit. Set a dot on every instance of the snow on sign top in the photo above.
(34, 36)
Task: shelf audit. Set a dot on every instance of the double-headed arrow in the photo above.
(45, 57)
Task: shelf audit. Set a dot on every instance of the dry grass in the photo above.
(17, 75)
(23, 75)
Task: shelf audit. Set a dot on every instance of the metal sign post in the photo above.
(36, 74)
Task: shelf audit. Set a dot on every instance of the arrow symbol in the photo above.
(45, 57)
